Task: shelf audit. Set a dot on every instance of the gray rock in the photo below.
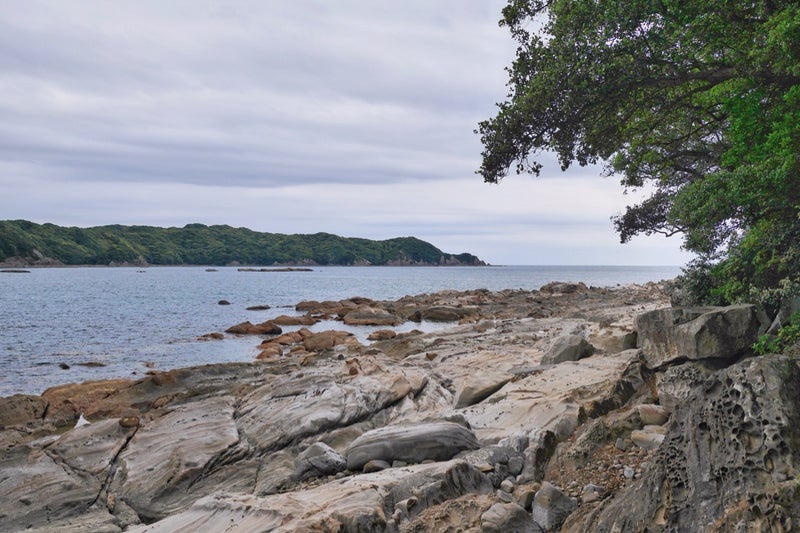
(36, 491)
(670, 334)
(376, 465)
(541, 449)
(479, 387)
(318, 460)
(646, 440)
(728, 458)
(551, 507)
(679, 383)
(507, 485)
(508, 518)
(652, 414)
(437, 441)
(567, 348)
(159, 470)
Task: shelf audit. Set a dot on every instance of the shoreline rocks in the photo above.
(478, 426)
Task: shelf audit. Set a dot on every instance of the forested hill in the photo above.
(23, 242)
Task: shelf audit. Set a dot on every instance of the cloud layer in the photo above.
(353, 117)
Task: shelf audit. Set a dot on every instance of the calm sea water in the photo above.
(133, 319)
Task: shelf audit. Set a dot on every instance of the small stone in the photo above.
(507, 486)
(376, 465)
(224, 302)
(504, 496)
(515, 465)
(628, 472)
(129, 422)
(399, 464)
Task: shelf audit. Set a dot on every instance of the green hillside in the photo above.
(197, 244)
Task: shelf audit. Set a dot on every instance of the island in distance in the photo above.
(24, 243)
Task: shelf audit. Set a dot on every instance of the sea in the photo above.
(65, 325)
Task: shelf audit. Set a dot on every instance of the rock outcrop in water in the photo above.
(468, 428)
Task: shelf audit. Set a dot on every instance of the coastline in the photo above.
(550, 408)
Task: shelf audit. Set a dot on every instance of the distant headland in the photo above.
(24, 243)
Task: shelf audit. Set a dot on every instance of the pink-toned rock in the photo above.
(371, 316)
(326, 340)
(653, 415)
(286, 320)
(382, 335)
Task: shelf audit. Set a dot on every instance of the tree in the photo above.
(697, 102)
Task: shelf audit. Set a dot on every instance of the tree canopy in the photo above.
(695, 102)
(197, 244)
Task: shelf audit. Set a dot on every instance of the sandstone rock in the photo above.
(678, 384)
(20, 409)
(671, 334)
(381, 335)
(248, 328)
(646, 440)
(445, 314)
(326, 340)
(376, 465)
(351, 504)
(508, 518)
(564, 288)
(551, 507)
(168, 455)
(436, 441)
(652, 414)
(317, 460)
(478, 387)
(567, 348)
(91, 448)
(371, 316)
(726, 461)
(36, 491)
(286, 320)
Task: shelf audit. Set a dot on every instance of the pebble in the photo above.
(504, 496)
(628, 472)
(507, 486)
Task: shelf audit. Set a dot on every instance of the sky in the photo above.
(353, 117)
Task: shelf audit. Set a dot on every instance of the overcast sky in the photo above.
(352, 117)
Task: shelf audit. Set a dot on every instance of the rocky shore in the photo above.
(565, 409)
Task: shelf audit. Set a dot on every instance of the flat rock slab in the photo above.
(92, 448)
(170, 453)
(293, 407)
(351, 504)
(36, 491)
(551, 399)
(436, 441)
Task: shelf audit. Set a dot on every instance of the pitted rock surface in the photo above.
(730, 458)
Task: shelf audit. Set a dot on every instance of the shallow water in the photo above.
(134, 319)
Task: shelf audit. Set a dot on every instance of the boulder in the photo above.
(436, 441)
(301, 320)
(652, 414)
(20, 409)
(248, 328)
(551, 507)
(371, 316)
(326, 340)
(445, 314)
(318, 460)
(564, 287)
(382, 335)
(673, 334)
(507, 518)
(567, 348)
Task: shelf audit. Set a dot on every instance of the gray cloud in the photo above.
(354, 117)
